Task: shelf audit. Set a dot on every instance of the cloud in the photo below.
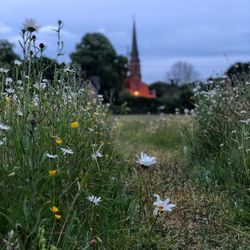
(51, 30)
(48, 29)
(4, 28)
(155, 68)
(199, 32)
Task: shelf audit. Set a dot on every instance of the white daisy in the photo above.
(17, 62)
(19, 113)
(52, 156)
(245, 121)
(36, 100)
(19, 82)
(10, 90)
(68, 70)
(8, 81)
(30, 25)
(162, 206)
(146, 160)
(3, 70)
(40, 85)
(4, 127)
(67, 151)
(94, 199)
(97, 154)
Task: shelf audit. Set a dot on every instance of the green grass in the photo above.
(208, 215)
(205, 215)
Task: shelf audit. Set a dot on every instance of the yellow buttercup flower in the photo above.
(58, 216)
(58, 140)
(54, 209)
(52, 172)
(74, 124)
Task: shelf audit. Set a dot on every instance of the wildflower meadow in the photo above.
(62, 180)
(74, 176)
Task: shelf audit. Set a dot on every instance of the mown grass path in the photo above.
(203, 217)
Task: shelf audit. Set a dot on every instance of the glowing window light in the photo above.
(136, 93)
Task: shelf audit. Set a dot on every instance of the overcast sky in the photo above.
(210, 34)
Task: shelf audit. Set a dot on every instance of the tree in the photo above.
(7, 55)
(239, 73)
(48, 67)
(239, 68)
(182, 73)
(97, 57)
(172, 96)
(162, 87)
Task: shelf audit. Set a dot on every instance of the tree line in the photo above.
(96, 57)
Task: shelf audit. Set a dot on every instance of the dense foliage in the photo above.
(173, 96)
(97, 57)
(220, 145)
(7, 54)
(46, 160)
(61, 179)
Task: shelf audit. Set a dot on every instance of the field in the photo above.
(73, 176)
(204, 217)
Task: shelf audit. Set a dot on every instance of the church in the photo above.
(134, 83)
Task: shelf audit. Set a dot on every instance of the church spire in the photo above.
(134, 52)
(135, 68)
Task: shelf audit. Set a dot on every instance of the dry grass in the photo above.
(203, 214)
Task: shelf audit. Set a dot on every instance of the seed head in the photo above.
(41, 46)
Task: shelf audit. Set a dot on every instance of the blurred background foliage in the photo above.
(97, 58)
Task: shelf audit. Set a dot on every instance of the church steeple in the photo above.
(135, 68)
(134, 83)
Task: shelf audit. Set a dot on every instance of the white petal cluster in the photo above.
(97, 154)
(162, 206)
(3, 70)
(4, 127)
(68, 70)
(146, 160)
(36, 100)
(31, 25)
(51, 156)
(94, 199)
(17, 62)
(8, 81)
(67, 151)
(41, 85)
(245, 121)
(2, 141)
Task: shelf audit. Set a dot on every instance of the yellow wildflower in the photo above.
(58, 140)
(52, 172)
(54, 209)
(58, 216)
(8, 100)
(74, 124)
